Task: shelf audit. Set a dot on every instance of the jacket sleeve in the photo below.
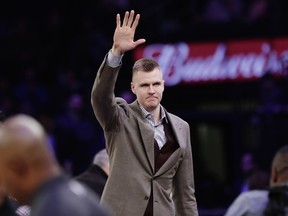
(103, 98)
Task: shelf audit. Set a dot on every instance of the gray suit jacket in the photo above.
(130, 145)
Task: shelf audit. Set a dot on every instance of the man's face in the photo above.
(148, 88)
(11, 182)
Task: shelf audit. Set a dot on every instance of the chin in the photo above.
(150, 108)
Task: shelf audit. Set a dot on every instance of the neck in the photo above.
(156, 113)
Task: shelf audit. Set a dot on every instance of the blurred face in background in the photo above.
(14, 175)
(8, 182)
(247, 164)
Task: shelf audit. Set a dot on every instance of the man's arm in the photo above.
(102, 96)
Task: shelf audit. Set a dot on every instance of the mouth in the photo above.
(151, 99)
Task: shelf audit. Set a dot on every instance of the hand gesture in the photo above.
(124, 35)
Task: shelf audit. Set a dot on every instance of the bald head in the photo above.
(23, 136)
(25, 157)
(22, 125)
(280, 167)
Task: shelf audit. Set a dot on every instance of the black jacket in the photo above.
(8, 207)
(278, 201)
(65, 197)
(95, 178)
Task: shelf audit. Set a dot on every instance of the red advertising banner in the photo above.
(184, 63)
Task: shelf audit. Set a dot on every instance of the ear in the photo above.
(273, 177)
(18, 167)
(132, 87)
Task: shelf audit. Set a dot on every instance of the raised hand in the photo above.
(124, 34)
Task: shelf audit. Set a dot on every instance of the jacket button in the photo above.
(146, 198)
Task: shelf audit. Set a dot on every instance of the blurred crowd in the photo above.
(50, 51)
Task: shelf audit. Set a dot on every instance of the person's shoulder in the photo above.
(255, 194)
(249, 203)
(87, 197)
(73, 198)
(81, 190)
(255, 199)
(123, 104)
(278, 200)
(177, 118)
(121, 101)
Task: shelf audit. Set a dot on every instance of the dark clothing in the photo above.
(63, 197)
(278, 201)
(8, 208)
(94, 177)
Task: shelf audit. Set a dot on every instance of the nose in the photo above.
(151, 89)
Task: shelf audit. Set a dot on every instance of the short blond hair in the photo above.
(145, 64)
(280, 160)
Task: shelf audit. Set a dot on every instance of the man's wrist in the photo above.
(114, 60)
(116, 52)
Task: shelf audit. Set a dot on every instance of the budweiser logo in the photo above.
(188, 63)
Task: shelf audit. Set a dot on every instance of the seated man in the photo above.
(31, 174)
(270, 202)
(9, 206)
(96, 175)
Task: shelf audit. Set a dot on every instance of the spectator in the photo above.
(96, 175)
(31, 174)
(9, 206)
(248, 166)
(266, 202)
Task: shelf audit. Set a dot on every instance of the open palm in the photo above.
(124, 34)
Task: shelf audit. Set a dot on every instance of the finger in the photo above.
(118, 21)
(125, 20)
(139, 41)
(136, 21)
(131, 18)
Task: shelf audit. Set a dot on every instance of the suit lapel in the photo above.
(147, 134)
(178, 131)
(180, 136)
(171, 161)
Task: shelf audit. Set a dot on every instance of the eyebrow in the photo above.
(153, 83)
